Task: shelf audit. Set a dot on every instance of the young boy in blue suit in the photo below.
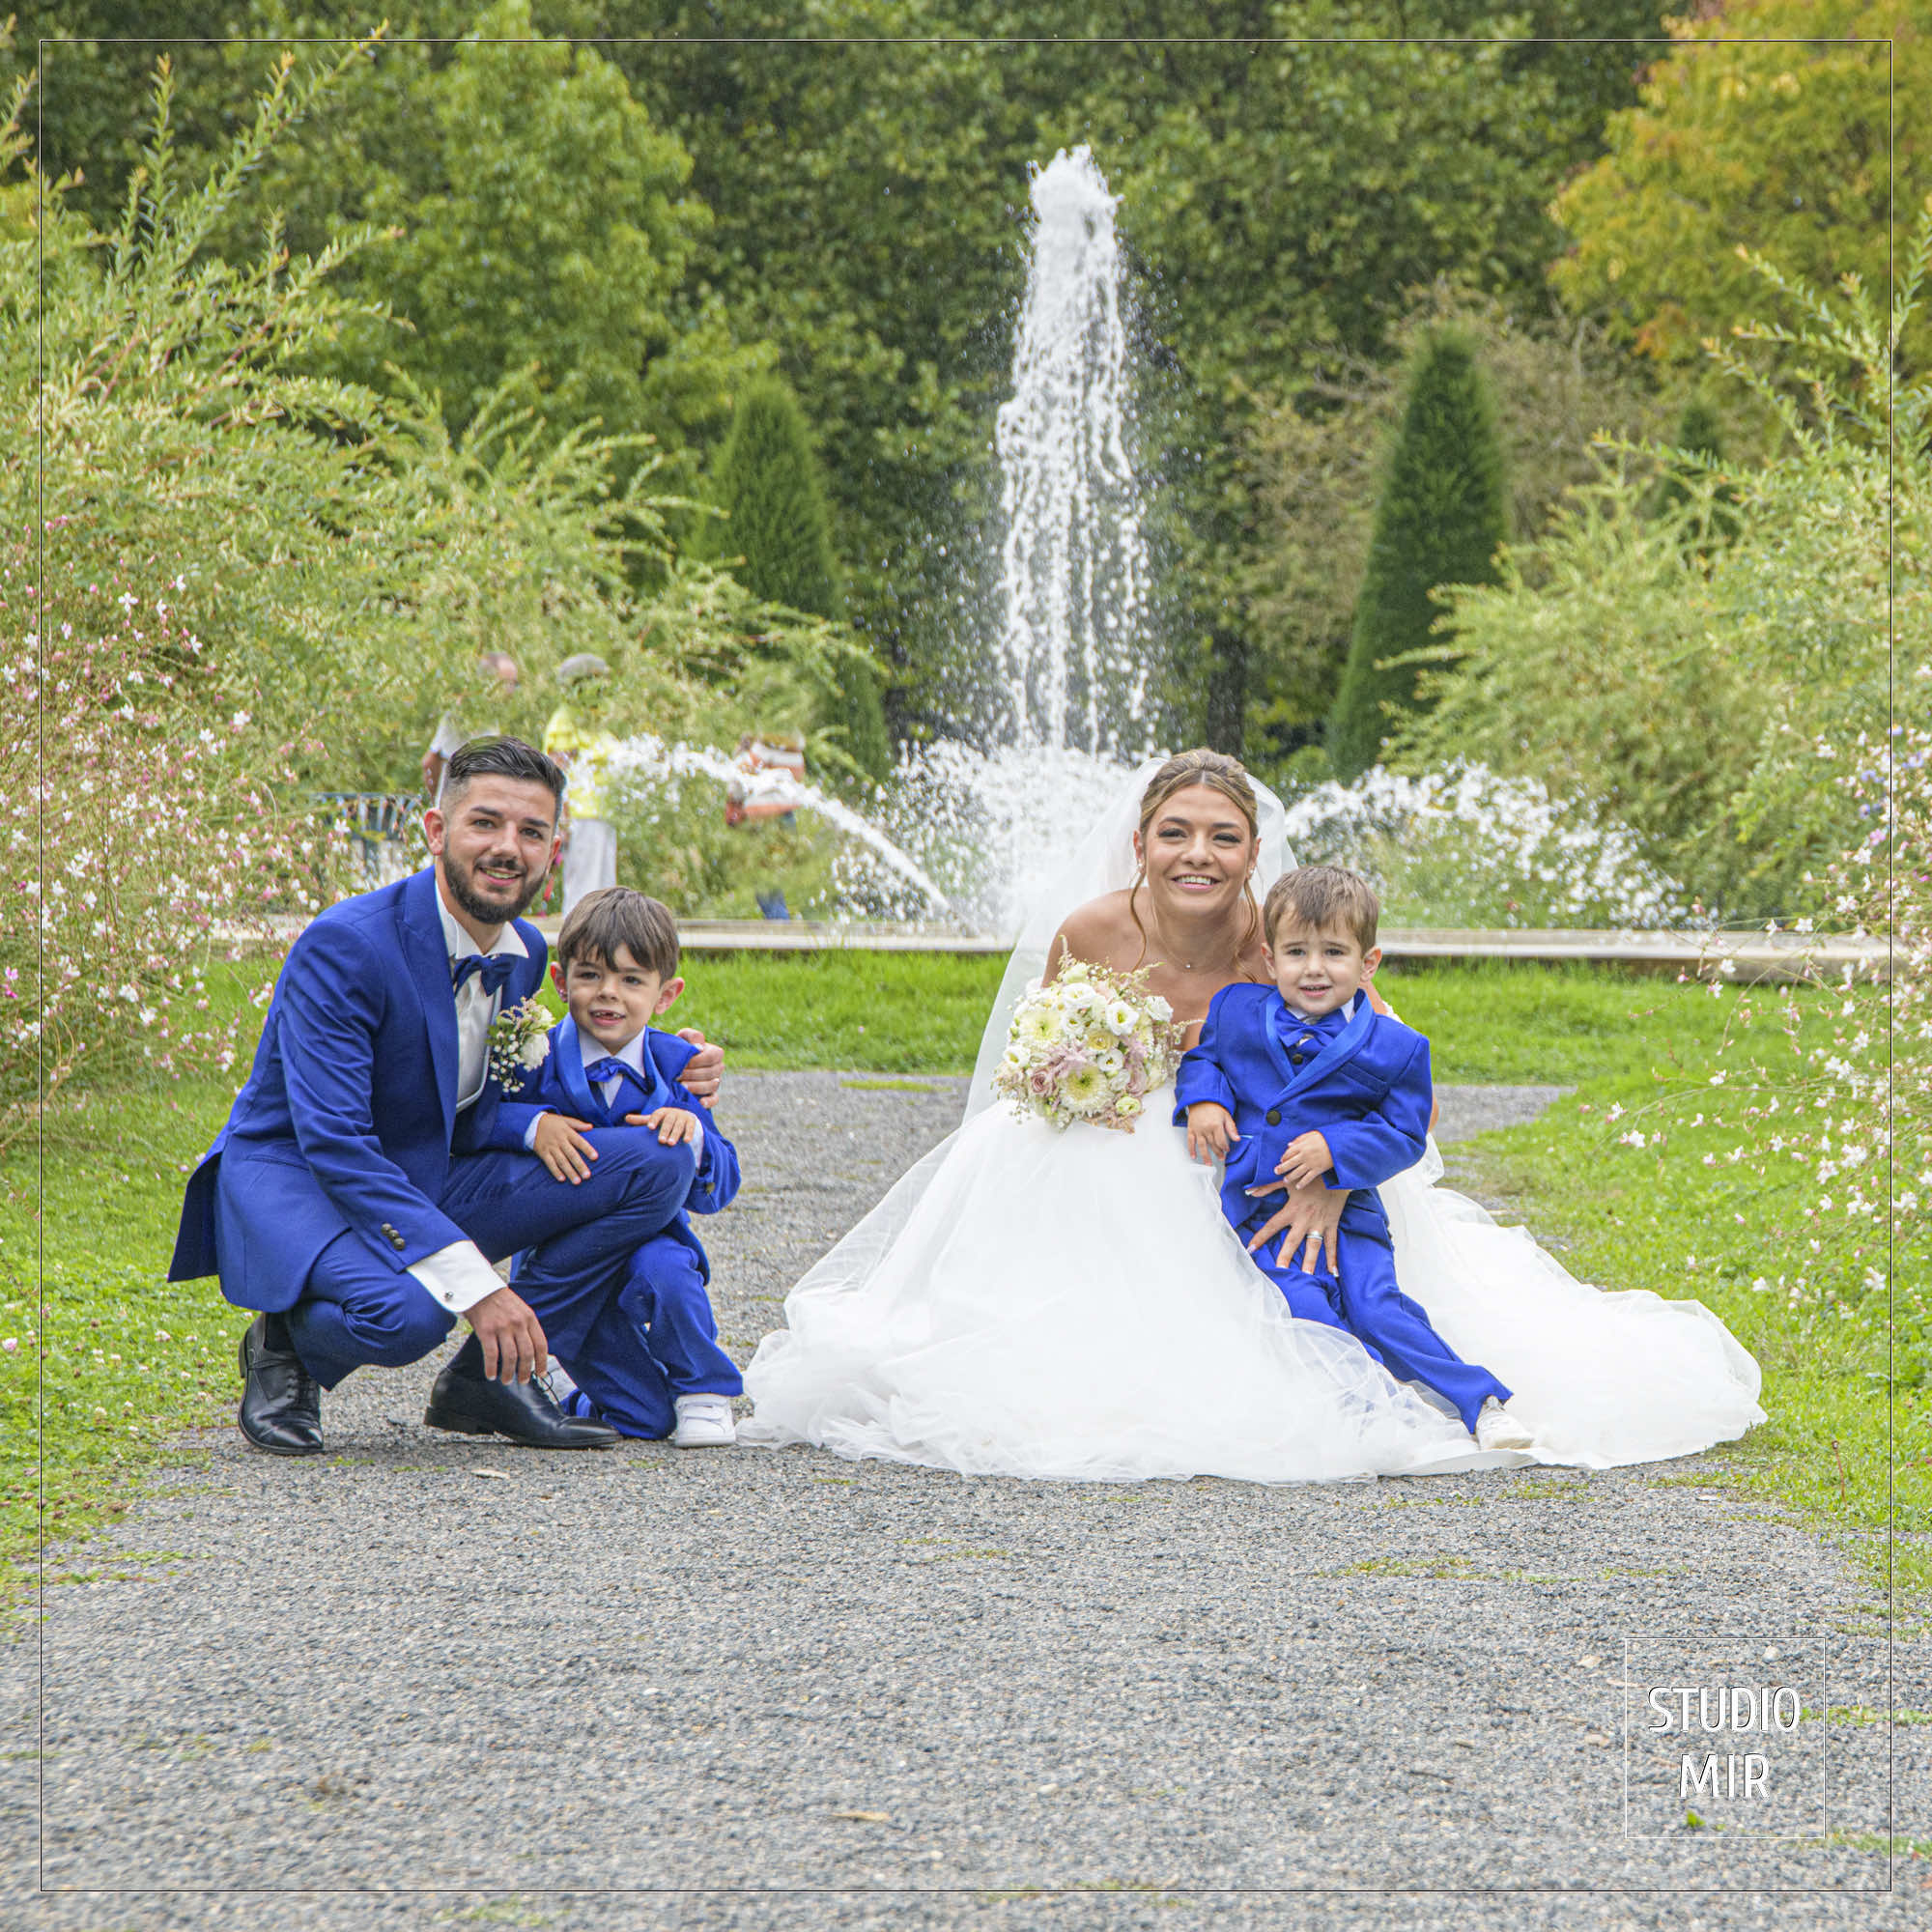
(616, 968)
(1303, 1080)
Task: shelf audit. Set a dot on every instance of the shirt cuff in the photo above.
(530, 1134)
(698, 1142)
(457, 1276)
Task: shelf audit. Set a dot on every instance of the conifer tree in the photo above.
(1698, 434)
(766, 480)
(1443, 511)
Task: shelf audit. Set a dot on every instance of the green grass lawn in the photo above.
(130, 1361)
(882, 1012)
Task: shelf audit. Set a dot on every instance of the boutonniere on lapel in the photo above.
(519, 1042)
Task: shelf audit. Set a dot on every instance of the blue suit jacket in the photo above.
(348, 1120)
(559, 1085)
(1367, 1092)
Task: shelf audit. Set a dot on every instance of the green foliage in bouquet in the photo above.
(1444, 512)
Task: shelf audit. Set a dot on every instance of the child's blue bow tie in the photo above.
(610, 1068)
(493, 969)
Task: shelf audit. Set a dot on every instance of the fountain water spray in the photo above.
(1072, 568)
(651, 762)
(974, 830)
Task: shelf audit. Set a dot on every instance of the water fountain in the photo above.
(969, 827)
(1073, 569)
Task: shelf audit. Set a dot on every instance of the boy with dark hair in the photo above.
(1305, 1079)
(617, 968)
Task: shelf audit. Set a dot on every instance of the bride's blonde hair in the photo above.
(1219, 773)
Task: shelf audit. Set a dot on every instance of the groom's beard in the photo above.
(462, 882)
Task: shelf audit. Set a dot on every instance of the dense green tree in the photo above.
(1719, 698)
(542, 222)
(775, 536)
(1792, 128)
(1699, 441)
(92, 107)
(1442, 513)
(1279, 202)
(1314, 465)
(779, 534)
(551, 234)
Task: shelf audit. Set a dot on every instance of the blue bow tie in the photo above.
(493, 969)
(1292, 1028)
(610, 1068)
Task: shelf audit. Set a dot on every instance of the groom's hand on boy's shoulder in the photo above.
(559, 1143)
(703, 1069)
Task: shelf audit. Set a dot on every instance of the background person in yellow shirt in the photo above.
(577, 738)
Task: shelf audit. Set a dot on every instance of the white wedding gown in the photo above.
(1073, 1305)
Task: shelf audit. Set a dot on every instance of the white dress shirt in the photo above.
(459, 1276)
(1346, 1009)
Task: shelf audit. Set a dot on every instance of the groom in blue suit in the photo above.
(1305, 1080)
(372, 1169)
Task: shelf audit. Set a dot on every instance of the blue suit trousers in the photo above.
(665, 1301)
(1366, 1301)
(356, 1310)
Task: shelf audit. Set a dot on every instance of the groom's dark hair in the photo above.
(501, 758)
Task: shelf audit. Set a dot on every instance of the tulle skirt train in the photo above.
(1035, 1303)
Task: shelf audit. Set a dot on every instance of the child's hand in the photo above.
(1210, 1132)
(1306, 1160)
(559, 1144)
(674, 1124)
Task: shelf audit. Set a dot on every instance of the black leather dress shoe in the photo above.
(281, 1402)
(467, 1400)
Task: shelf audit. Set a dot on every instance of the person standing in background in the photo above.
(577, 738)
(497, 671)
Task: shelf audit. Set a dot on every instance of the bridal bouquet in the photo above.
(1088, 1047)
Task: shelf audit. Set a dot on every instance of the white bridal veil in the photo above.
(1103, 861)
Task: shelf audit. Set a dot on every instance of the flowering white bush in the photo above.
(1469, 847)
(140, 846)
(1843, 1126)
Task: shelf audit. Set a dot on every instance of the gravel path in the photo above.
(426, 1682)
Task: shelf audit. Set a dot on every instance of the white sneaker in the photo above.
(1497, 1429)
(703, 1422)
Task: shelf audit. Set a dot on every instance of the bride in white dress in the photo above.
(1072, 1304)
